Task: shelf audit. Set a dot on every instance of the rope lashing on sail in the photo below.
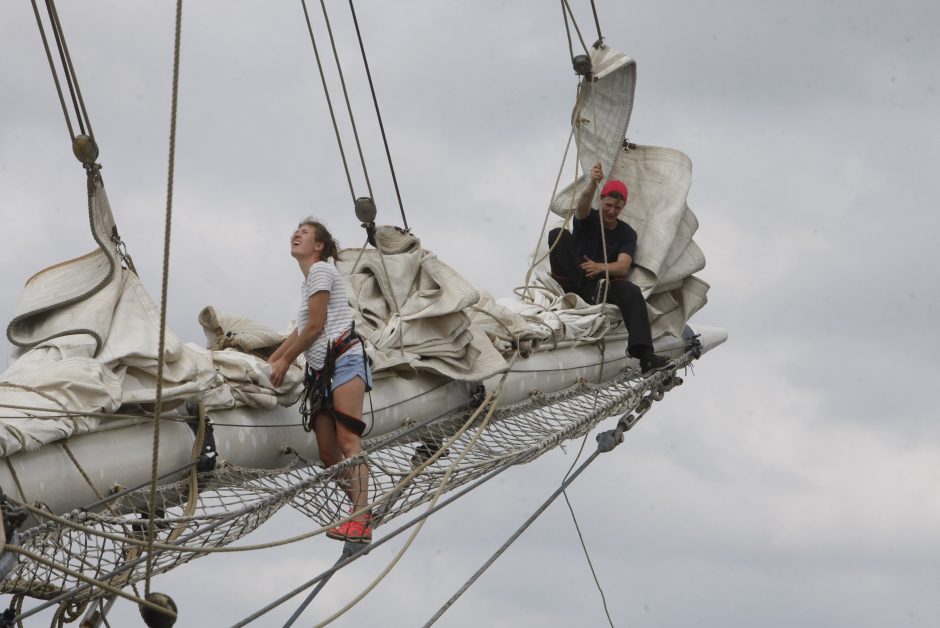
(234, 501)
(49, 413)
(164, 289)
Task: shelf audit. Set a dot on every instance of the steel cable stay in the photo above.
(606, 441)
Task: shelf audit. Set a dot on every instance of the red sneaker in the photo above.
(354, 531)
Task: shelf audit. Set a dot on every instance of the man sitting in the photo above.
(579, 261)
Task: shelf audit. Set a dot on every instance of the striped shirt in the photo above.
(324, 276)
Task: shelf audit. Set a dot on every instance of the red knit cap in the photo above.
(614, 186)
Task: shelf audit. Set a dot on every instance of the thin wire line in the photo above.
(588, 557)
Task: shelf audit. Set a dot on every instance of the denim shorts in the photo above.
(350, 365)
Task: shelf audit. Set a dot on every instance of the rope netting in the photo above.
(81, 555)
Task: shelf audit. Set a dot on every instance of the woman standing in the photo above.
(337, 375)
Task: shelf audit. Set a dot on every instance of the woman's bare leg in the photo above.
(348, 400)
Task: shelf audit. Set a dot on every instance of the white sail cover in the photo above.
(658, 180)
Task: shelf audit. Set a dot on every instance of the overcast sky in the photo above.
(793, 479)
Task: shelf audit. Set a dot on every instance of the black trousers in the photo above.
(565, 260)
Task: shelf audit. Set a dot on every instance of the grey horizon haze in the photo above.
(792, 481)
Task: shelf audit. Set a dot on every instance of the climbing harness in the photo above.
(318, 383)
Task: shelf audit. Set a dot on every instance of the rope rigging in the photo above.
(161, 343)
(587, 556)
(568, 13)
(342, 81)
(597, 23)
(378, 115)
(364, 206)
(577, 528)
(71, 79)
